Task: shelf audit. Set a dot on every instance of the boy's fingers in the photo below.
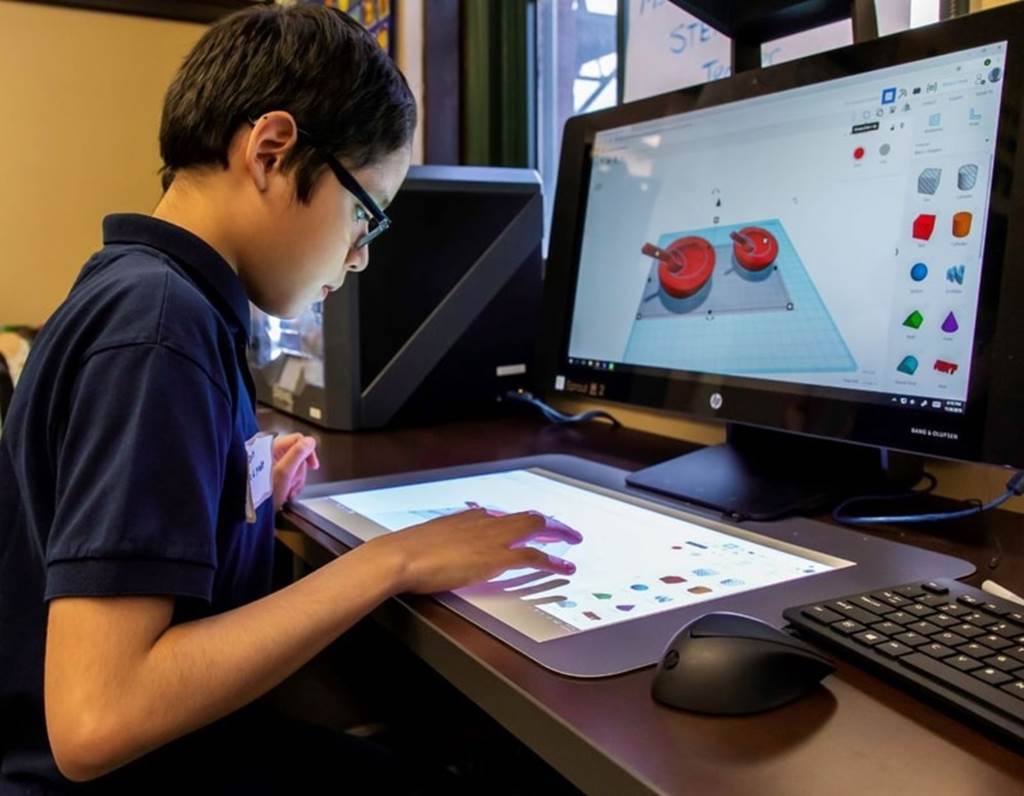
(293, 457)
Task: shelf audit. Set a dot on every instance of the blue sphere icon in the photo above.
(919, 272)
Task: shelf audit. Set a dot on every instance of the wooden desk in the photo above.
(858, 733)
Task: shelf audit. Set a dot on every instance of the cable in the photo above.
(1014, 488)
(553, 415)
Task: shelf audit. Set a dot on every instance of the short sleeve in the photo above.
(140, 470)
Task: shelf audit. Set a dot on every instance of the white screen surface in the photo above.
(876, 188)
(634, 561)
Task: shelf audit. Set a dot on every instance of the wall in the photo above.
(82, 92)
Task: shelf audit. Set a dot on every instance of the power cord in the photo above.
(553, 415)
(1014, 488)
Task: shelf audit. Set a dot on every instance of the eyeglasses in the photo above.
(378, 222)
(368, 209)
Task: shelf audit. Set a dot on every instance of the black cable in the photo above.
(553, 415)
(1014, 488)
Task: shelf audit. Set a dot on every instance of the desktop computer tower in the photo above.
(441, 323)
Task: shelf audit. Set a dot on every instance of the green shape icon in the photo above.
(602, 596)
(914, 320)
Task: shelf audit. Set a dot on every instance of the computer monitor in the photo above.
(829, 248)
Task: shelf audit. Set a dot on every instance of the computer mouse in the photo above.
(731, 664)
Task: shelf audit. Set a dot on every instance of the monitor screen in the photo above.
(809, 246)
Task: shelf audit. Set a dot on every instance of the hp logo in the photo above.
(716, 400)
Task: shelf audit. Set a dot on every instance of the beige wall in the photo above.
(81, 95)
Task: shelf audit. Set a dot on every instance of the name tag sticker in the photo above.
(260, 454)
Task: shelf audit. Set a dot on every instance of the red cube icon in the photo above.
(924, 226)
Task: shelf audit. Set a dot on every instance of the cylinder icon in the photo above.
(961, 224)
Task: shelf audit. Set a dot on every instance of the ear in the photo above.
(273, 135)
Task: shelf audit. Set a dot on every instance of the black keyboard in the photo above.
(959, 645)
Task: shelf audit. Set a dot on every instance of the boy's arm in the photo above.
(120, 681)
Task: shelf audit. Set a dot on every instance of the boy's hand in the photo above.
(294, 454)
(473, 546)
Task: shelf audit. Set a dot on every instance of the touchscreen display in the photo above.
(636, 558)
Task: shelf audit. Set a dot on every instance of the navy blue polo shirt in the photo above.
(123, 470)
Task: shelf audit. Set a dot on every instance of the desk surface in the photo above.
(858, 732)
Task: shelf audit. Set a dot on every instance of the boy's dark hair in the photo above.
(313, 61)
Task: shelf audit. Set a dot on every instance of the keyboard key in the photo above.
(1005, 629)
(969, 631)
(909, 591)
(1016, 652)
(992, 608)
(979, 619)
(890, 598)
(869, 603)
(932, 600)
(952, 609)
(964, 663)
(949, 638)
(937, 670)
(925, 627)
(934, 587)
(936, 650)
(912, 639)
(821, 614)
(943, 620)
(1015, 688)
(887, 628)
(995, 642)
(917, 609)
(975, 650)
(900, 618)
(970, 600)
(851, 611)
(991, 676)
(1014, 616)
(847, 627)
(893, 649)
(869, 638)
(1003, 663)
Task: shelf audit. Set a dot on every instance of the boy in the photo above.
(136, 619)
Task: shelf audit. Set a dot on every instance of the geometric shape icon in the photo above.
(888, 95)
(934, 120)
(638, 587)
(602, 595)
(677, 547)
(699, 590)
(962, 224)
(704, 573)
(591, 615)
(858, 153)
(950, 325)
(884, 150)
(914, 320)
(974, 116)
(942, 366)
(919, 272)
(663, 599)
(567, 604)
(733, 582)
(966, 176)
(994, 74)
(908, 365)
(955, 273)
(924, 226)
(928, 181)
(672, 579)
(625, 607)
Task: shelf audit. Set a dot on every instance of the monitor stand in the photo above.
(759, 474)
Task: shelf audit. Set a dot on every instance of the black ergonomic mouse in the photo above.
(730, 664)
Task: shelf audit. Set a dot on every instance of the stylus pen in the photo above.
(994, 588)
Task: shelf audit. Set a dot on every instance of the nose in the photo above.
(357, 259)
